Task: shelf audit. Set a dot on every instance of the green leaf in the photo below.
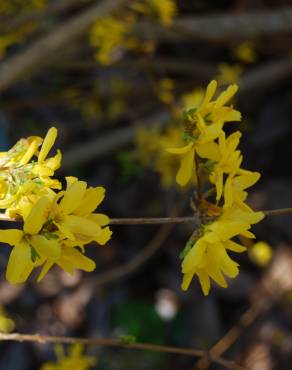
(34, 254)
(127, 339)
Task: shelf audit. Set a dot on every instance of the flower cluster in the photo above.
(57, 223)
(74, 360)
(213, 156)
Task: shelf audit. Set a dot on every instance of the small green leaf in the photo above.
(127, 339)
(34, 254)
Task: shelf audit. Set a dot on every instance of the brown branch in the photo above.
(165, 220)
(49, 45)
(221, 27)
(17, 337)
(55, 8)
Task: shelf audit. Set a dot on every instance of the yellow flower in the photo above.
(204, 124)
(208, 257)
(228, 73)
(75, 359)
(227, 159)
(260, 253)
(7, 325)
(234, 188)
(28, 244)
(54, 229)
(245, 52)
(22, 180)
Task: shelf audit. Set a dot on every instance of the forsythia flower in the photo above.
(56, 226)
(75, 359)
(245, 52)
(164, 9)
(203, 125)
(208, 257)
(22, 179)
(206, 252)
(228, 74)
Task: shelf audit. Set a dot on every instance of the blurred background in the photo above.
(114, 77)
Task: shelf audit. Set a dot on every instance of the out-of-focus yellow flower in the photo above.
(192, 99)
(7, 325)
(208, 258)
(109, 36)
(150, 151)
(245, 52)
(165, 90)
(260, 253)
(165, 10)
(228, 74)
(203, 125)
(74, 360)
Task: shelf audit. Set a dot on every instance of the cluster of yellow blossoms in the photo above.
(57, 223)
(75, 359)
(218, 160)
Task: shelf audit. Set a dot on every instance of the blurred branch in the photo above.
(221, 27)
(46, 47)
(17, 337)
(55, 8)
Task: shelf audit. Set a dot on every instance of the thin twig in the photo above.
(17, 337)
(165, 220)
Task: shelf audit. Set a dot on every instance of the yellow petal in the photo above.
(187, 278)
(194, 256)
(73, 259)
(104, 236)
(73, 197)
(30, 152)
(48, 143)
(99, 218)
(37, 216)
(11, 237)
(49, 248)
(20, 264)
(227, 265)
(234, 247)
(182, 150)
(213, 270)
(228, 192)
(46, 267)
(55, 162)
(226, 95)
(209, 151)
(82, 226)
(204, 281)
(210, 91)
(187, 168)
(91, 200)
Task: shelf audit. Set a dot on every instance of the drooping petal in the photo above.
(20, 264)
(204, 281)
(73, 197)
(72, 258)
(49, 248)
(30, 152)
(37, 216)
(227, 265)
(234, 247)
(81, 225)
(187, 168)
(209, 151)
(54, 162)
(47, 143)
(104, 236)
(46, 267)
(11, 237)
(187, 278)
(194, 256)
